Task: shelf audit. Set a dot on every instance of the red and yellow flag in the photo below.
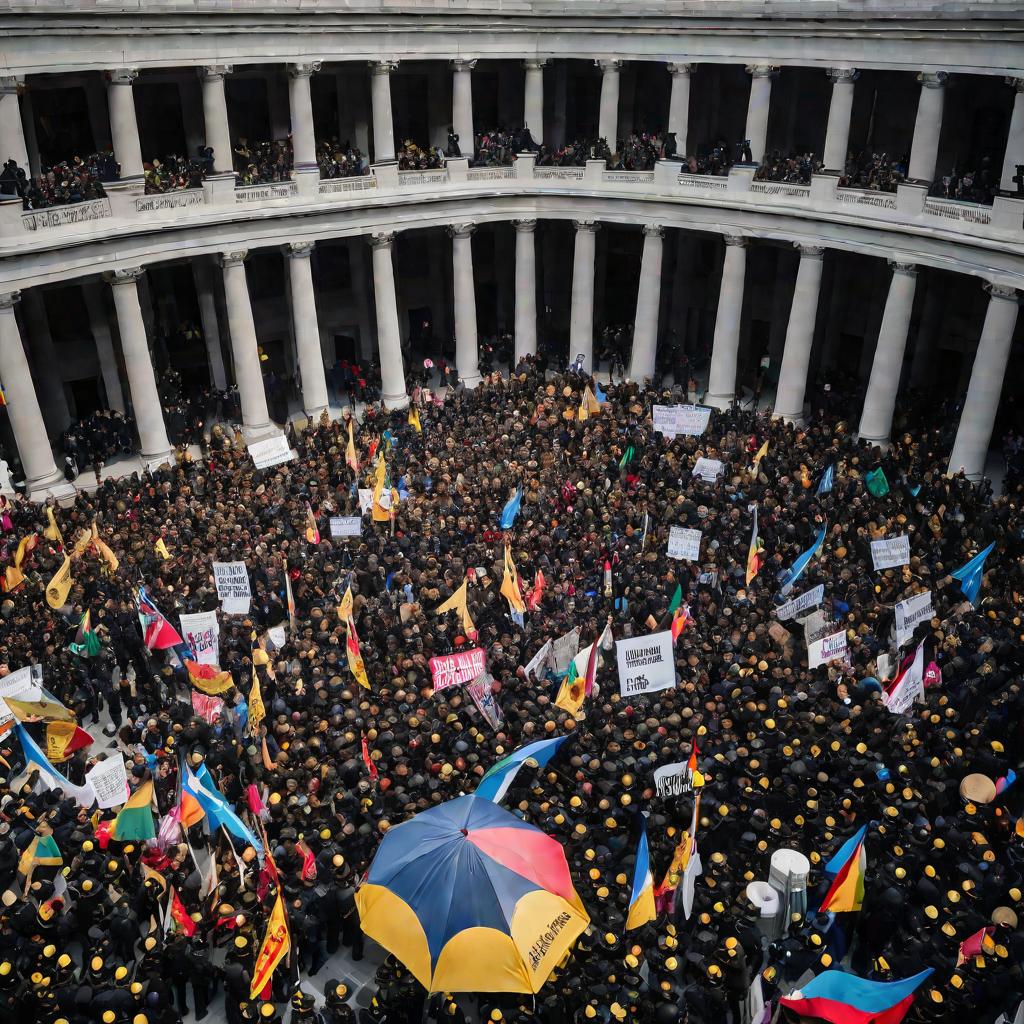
(351, 459)
(180, 917)
(276, 944)
(511, 588)
(355, 660)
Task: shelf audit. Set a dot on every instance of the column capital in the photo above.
(901, 267)
(304, 69)
(299, 250)
(843, 74)
(740, 240)
(524, 226)
(587, 225)
(383, 67)
(933, 79)
(684, 69)
(654, 231)
(461, 230)
(11, 84)
(761, 70)
(381, 239)
(235, 258)
(9, 299)
(122, 76)
(608, 64)
(809, 252)
(1017, 83)
(214, 72)
(1002, 291)
(128, 275)
(536, 63)
(463, 63)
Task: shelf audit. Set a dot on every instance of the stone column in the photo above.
(389, 339)
(1014, 153)
(301, 105)
(45, 362)
(526, 289)
(796, 356)
(837, 135)
(124, 125)
(581, 308)
(761, 76)
(101, 336)
(722, 378)
(201, 275)
(608, 118)
(380, 101)
(648, 303)
(215, 116)
(12, 129)
(138, 365)
(533, 102)
(679, 104)
(244, 348)
(23, 407)
(970, 449)
(924, 150)
(306, 329)
(462, 105)
(466, 339)
(884, 383)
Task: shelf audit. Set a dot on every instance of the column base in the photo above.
(396, 401)
(219, 188)
(875, 442)
(314, 414)
(910, 198)
(260, 432)
(824, 185)
(54, 486)
(791, 419)
(740, 177)
(386, 173)
(470, 381)
(154, 460)
(307, 180)
(720, 402)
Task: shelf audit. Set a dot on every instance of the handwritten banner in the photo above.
(271, 452)
(684, 543)
(455, 669)
(202, 634)
(346, 526)
(688, 420)
(233, 589)
(807, 600)
(890, 552)
(828, 648)
(708, 469)
(109, 781)
(910, 613)
(646, 664)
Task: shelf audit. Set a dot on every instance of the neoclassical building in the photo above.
(894, 256)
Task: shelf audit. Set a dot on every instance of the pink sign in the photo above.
(453, 669)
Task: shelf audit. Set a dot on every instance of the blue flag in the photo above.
(599, 394)
(219, 812)
(845, 852)
(511, 509)
(796, 570)
(970, 574)
(827, 479)
(495, 783)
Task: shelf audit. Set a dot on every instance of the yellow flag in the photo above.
(100, 547)
(414, 419)
(25, 545)
(583, 414)
(275, 944)
(59, 587)
(572, 693)
(52, 532)
(82, 542)
(350, 450)
(510, 586)
(47, 710)
(458, 602)
(761, 453)
(590, 402)
(345, 608)
(257, 712)
(161, 549)
(356, 665)
(381, 513)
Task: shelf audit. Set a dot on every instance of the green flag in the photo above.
(86, 643)
(876, 483)
(627, 458)
(677, 599)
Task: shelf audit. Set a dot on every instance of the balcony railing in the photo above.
(560, 173)
(490, 173)
(62, 216)
(262, 193)
(781, 188)
(953, 209)
(867, 197)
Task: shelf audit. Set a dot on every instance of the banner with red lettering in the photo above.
(454, 669)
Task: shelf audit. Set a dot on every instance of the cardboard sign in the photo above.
(271, 452)
(890, 552)
(365, 500)
(684, 543)
(673, 779)
(202, 634)
(454, 669)
(828, 648)
(909, 688)
(24, 683)
(346, 526)
(708, 469)
(646, 664)
(910, 613)
(109, 781)
(688, 420)
(564, 649)
(233, 589)
(806, 601)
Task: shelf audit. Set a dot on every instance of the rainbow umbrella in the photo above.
(471, 899)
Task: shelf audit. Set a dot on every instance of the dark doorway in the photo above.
(345, 348)
(62, 124)
(85, 397)
(421, 330)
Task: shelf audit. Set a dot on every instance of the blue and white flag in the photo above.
(599, 394)
(48, 775)
(827, 479)
(201, 786)
(970, 574)
(494, 785)
(796, 570)
(511, 509)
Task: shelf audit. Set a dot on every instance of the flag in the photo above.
(178, 915)
(495, 783)
(599, 394)
(43, 850)
(796, 570)
(59, 587)
(49, 777)
(755, 555)
(47, 708)
(826, 481)
(158, 634)
(345, 608)
(381, 510)
(200, 786)
(312, 530)
(970, 574)
(190, 810)
(208, 679)
(257, 712)
(414, 419)
(101, 549)
(52, 532)
(761, 453)
(371, 768)
(641, 899)
(975, 945)
(161, 549)
(535, 595)
(351, 459)
(876, 482)
(510, 586)
(63, 739)
(843, 998)
(677, 599)
(289, 598)
(13, 576)
(458, 602)
(307, 872)
(686, 865)
(578, 684)
(1004, 782)
(135, 819)
(590, 402)
(356, 665)
(511, 509)
(276, 944)
(627, 457)
(86, 643)
(848, 865)
(681, 618)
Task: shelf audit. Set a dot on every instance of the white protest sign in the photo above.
(708, 469)
(684, 543)
(202, 634)
(890, 552)
(365, 500)
(909, 687)
(564, 650)
(910, 613)
(109, 781)
(6, 715)
(346, 526)
(271, 452)
(539, 662)
(689, 420)
(809, 599)
(673, 779)
(646, 664)
(277, 636)
(828, 648)
(232, 579)
(23, 683)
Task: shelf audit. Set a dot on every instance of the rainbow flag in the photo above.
(848, 866)
(641, 900)
(755, 556)
(135, 819)
(842, 998)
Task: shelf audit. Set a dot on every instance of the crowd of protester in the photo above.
(412, 157)
(638, 151)
(175, 172)
(974, 186)
(60, 184)
(340, 159)
(796, 168)
(262, 163)
(715, 161)
(876, 172)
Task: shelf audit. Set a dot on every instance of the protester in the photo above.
(795, 168)
(878, 172)
(791, 757)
